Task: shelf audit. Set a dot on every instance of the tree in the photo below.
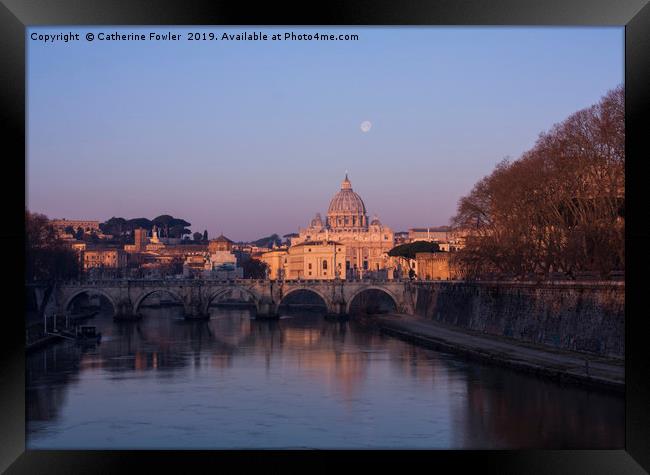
(205, 235)
(409, 250)
(114, 226)
(197, 236)
(69, 230)
(163, 223)
(79, 234)
(135, 223)
(179, 222)
(170, 226)
(47, 257)
(254, 268)
(178, 231)
(559, 207)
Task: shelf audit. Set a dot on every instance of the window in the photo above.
(309, 267)
(324, 265)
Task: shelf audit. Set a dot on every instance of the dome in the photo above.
(347, 201)
(347, 210)
(375, 221)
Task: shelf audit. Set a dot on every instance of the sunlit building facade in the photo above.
(366, 242)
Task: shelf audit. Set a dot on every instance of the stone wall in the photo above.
(585, 316)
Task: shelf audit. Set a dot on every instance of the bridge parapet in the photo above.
(126, 295)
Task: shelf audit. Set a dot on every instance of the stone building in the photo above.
(221, 256)
(217, 260)
(317, 260)
(366, 242)
(104, 258)
(438, 233)
(309, 260)
(221, 243)
(78, 246)
(140, 241)
(275, 260)
(435, 266)
(87, 225)
(449, 239)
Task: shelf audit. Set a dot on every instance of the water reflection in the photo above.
(301, 381)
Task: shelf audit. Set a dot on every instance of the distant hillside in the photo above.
(268, 241)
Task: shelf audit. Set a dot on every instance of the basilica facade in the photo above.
(366, 243)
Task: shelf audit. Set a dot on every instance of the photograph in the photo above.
(316, 237)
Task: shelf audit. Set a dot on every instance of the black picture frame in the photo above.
(16, 15)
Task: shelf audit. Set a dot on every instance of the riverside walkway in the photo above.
(554, 362)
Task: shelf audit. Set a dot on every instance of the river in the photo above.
(298, 382)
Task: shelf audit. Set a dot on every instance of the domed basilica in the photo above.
(366, 244)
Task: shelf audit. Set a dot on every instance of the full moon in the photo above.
(365, 125)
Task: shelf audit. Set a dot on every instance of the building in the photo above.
(104, 258)
(221, 256)
(78, 246)
(366, 243)
(216, 260)
(219, 244)
(316, 260)
(435, 266)
(401, 237)
(309, 260)
(88, 226)
(452, 239)
(275, 261)
(194, 263)
(155, 244)
(140, 241)
(434, 233)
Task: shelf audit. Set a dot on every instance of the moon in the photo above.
(365, 126)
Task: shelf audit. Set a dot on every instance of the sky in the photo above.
(250, 138)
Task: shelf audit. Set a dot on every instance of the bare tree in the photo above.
(559, 207)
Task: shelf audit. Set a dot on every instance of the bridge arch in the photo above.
(147, 293)
(79, 292)
(373, 289)
(219, 293)
(326, 302)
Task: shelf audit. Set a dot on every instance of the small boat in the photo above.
(88, 334)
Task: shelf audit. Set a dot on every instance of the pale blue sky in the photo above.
(251, 138)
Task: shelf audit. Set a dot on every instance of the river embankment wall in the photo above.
(579, 316)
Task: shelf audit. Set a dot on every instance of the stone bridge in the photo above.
(126, 296)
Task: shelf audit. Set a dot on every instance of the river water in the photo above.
(297, 382)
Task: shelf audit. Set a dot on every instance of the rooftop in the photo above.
(318, 243)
